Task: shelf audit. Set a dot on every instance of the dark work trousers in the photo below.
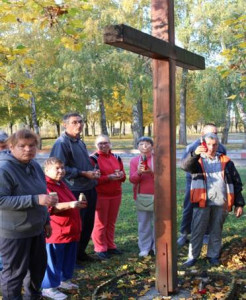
(24, 263)
(87, 217)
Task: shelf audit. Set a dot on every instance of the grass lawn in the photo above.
(129, 277)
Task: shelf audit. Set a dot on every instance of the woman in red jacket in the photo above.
(109, 193)
(65, 222)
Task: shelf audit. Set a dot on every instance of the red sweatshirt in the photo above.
(66, 225)
(145, 180)
(107, 164)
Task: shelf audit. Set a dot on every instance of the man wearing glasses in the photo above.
(80, 175)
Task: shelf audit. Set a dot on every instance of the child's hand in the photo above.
(78, 204)
(82, 204)
(73, 204)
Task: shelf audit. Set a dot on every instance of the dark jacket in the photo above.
(193, 164)
(21, 215)
(75, 157)
(192, 147)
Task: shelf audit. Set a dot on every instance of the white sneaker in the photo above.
(143, 253)
(68, 285)
(53, 293)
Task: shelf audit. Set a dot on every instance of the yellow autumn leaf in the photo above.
(243, 84)
(4, 49)
(232, 97)
(147, 287)
(10, 57)
(65, 40)
(242, 45)
(9, 18)
(20, 51)
(106, 295)
(139, 270)
(29, 61)
(229, 22)
(124, 267)
(25, 96)
(1, 88)
(225, 74)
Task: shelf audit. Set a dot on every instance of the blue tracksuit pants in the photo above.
(60, 264)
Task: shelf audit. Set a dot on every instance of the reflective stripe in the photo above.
(198, 192)
(197, 184)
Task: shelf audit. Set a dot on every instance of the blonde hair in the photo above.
(23, 134)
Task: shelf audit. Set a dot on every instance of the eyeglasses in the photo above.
(103, 143)
(76, 122)
(144, 144)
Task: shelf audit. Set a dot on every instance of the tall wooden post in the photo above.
(166, 55)
(165, 152)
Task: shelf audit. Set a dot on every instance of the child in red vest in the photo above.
(65, 222)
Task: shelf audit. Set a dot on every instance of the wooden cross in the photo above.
(166, 55)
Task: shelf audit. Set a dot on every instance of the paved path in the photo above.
(238, 156)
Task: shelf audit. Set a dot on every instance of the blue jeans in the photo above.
(1, 266)
(185, 226)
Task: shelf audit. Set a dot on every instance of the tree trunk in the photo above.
(11, 128)
(111, 128)
(58, 129)
(124, 128)
(93, 128)
(120, 129)
(103, 122)
(182, 116)
(242, 115)
(137, 124)
(225, 130)
(34, 119)
(149, 130)
(86, 128)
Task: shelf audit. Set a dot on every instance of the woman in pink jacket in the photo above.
(142, 177)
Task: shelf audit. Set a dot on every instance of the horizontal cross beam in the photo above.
(133, 40)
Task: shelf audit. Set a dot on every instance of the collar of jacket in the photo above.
(103, 153)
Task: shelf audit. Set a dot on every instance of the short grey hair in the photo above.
(211, 136)
(102, 136)
(67, 116)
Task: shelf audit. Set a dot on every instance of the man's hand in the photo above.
(47, 230)
(47, 200)
(201, 149)
(238, 211)
(91, 174)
